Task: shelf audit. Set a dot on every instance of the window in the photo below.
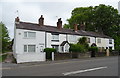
(25, 48)
(98, 40)
(88, 40)
(73, 38)
(110, 41)
(29, 48)
(25, 34)
(29, 34)
(55, 37)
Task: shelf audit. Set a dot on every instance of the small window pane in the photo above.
(25, 48)
(31, 48)
(25, 34)
(32, 34)
(99, 40)
(55, 37)
(110, 41)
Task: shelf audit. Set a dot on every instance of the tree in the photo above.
(99, 18)
(103, 19)
(5, 37)
(83, 41)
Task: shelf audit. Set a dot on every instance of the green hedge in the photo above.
(3, 57)
(76, 48)
(93, 49)
(49, 52)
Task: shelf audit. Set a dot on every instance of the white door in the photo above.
(41, 48)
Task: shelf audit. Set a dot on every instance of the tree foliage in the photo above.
(5, 39)
(103, 19)
(76, 48)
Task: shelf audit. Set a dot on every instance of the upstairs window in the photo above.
(98, 40)
(55, 37)
(73, 38)
(88, 40)
(29, 34)
(110, 41)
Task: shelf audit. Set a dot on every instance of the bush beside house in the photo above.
(93, 50)
(49, 52)
(76, 48)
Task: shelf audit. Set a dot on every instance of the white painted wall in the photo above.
(73, 38)
(31, 57)
(110, 45)
(92, 40)
(48, 40)
(20, 41)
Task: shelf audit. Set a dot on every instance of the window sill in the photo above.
(29, 38)
(55, 40)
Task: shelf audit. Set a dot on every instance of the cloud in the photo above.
(30, 10)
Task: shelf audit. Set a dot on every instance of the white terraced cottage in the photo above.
(30, 39)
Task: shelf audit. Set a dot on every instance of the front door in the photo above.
(41, 48)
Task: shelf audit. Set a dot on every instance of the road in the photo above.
(102, 66)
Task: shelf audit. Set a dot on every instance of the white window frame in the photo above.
(27, 34)
(55, 38)
(98, 40)
(110, 41)
(27, 48)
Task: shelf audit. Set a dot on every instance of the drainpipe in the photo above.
(95, 40)
(45, 40)
(66, 37)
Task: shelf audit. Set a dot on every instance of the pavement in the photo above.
(99, 66)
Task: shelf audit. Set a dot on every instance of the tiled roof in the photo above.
(54, 29)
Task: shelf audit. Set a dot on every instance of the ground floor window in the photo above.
(29, 48)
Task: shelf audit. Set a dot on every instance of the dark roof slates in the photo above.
(47, 28)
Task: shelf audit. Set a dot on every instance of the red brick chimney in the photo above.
(17, 20)
(59, 24)
(41, 21)
(75, 27)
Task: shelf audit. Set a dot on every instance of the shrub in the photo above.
(49, 50)
(93, 49)
(76, 48)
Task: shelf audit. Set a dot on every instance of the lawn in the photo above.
(2, 58)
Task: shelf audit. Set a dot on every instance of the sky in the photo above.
(31, 10)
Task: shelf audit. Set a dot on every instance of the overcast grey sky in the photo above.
(30, 10)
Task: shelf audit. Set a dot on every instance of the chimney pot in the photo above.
(17, 20)
(59, 24)
(41, 21)
(75, 27)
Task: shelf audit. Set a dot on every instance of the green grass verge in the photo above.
(3, 57)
